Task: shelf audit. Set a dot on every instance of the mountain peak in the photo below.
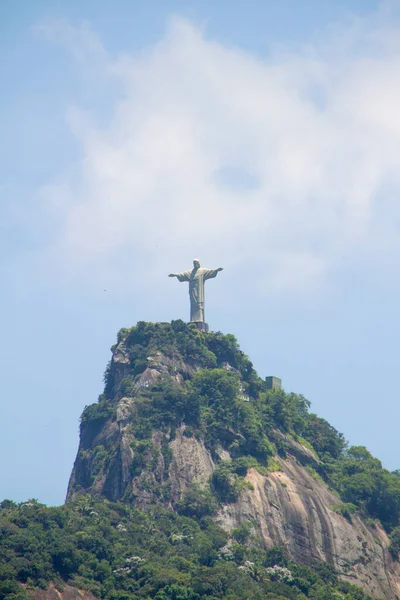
(186, 423)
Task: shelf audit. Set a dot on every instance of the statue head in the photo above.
(196, 263)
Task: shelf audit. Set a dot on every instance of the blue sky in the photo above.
(260, 136)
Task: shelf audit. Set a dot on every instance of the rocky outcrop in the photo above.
(65, 593)
(294, 510)
(191, 463)
(290, 508)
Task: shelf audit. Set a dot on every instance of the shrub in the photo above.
(225, 482)
(241, 465)
(98, 413)
(196, 502)
(394, 547)
(242, 533)
(346, 509)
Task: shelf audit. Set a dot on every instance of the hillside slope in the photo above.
(184, 414)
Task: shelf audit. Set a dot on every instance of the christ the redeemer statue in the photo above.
(196, 278)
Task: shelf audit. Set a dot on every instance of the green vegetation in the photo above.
(97, 413)
(120, 553)
(360, 480)
(228, 481)
(346, 509)
(395, 543)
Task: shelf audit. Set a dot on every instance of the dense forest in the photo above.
(120, 552)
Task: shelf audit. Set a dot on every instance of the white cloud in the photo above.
(81, 41)
(282, 163)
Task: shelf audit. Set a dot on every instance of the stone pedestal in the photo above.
(201, 326)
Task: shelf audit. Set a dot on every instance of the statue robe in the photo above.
(196, 279)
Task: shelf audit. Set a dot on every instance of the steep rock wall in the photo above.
(292, 510)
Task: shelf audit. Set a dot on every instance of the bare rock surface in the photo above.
(67, 593)
(291, 509)
(191, 463)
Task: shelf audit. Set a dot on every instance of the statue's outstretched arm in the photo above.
(181, 276)
(211, 273)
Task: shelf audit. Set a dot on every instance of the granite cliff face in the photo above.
(291, 507)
